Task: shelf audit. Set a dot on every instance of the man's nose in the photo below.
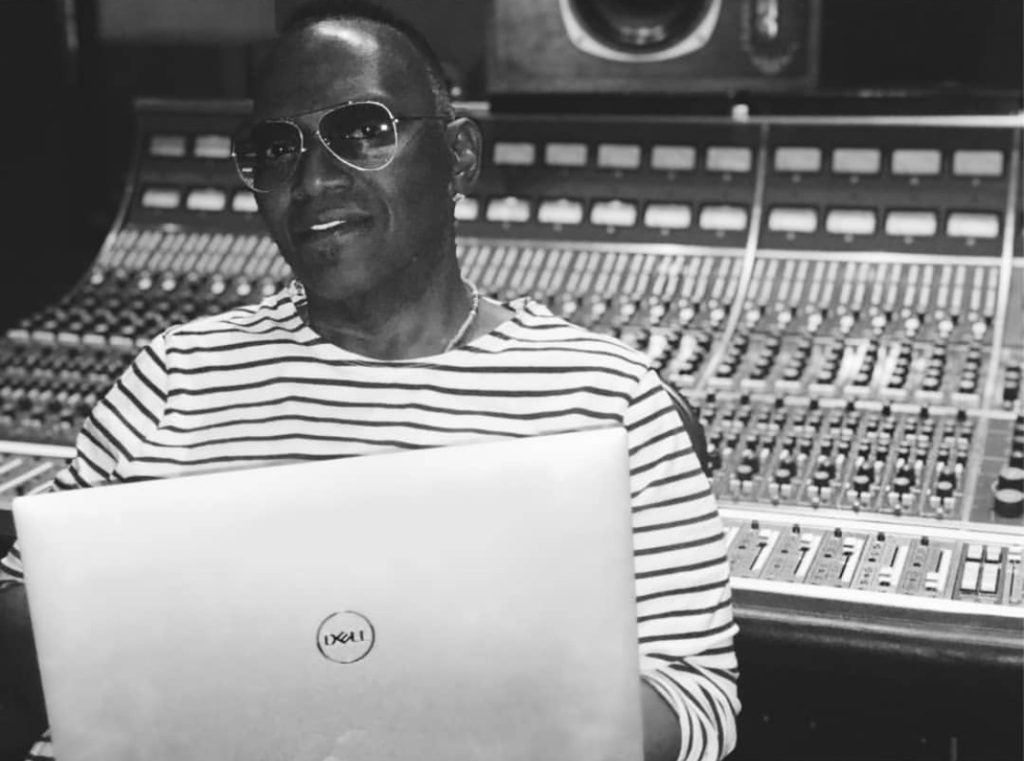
(318, 171)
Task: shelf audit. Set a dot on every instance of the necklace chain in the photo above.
(299, 295)
(474, 310)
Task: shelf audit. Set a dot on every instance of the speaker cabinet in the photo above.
(653, 47)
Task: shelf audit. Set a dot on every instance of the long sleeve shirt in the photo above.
(258, 385)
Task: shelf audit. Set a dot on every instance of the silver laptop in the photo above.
(472, 602)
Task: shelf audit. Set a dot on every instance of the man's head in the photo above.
(311, 13)
(348, 232)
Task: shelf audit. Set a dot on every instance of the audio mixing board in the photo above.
(842, 299)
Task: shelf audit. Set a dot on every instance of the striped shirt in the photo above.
(257, 384)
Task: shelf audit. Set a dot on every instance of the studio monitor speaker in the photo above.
(652, 47)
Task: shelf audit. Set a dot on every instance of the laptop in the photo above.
(471, 602)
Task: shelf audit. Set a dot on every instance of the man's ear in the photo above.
(466, 144)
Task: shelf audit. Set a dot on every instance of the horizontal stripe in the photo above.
(686, 591)
(540, 350)
(687, 612)
(675, 500)
(650, 418)
(674, 478)
(434, 409)
(225, 459)
(680, 523)
(679, 546)
(298, 381)
(337, 422)
(665, 458)
(312, 437)
(680, 568)
(208, 349)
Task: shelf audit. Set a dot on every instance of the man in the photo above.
(356, 160)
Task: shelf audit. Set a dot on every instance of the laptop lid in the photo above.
(454, 603)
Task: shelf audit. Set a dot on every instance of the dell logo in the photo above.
(345, 637)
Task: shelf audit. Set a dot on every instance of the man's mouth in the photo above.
(335, 226)
(321, 226)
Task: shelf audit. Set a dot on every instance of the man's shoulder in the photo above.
(535, 326)
(253, 329)
(272, 316)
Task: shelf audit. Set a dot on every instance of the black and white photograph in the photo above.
(512, 380)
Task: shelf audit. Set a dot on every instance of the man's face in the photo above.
(395, 222)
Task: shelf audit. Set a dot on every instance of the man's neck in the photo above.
(395, 324)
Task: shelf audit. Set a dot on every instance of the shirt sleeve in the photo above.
(684, 604)
(123, 420)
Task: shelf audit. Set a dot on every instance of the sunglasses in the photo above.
(362, 135)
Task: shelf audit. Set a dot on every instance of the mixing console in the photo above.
(842, 299)
(972, 571)
(877, 329)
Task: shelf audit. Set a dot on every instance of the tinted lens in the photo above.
(266, 154)
(363, 134)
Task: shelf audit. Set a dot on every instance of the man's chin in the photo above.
(331, 282)
(329, 263)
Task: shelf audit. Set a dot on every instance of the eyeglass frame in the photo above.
(303, 148)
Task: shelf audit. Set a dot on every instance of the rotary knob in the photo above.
(1017, 457)
(1009, 503)
(745, 472)
(901, 485)
(749, 460)
(862, 483)
(1011, 477)
(714, 457)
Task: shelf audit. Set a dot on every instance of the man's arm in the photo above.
(661, 726)
(126, 415)
(684, 604)
(22, 713)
